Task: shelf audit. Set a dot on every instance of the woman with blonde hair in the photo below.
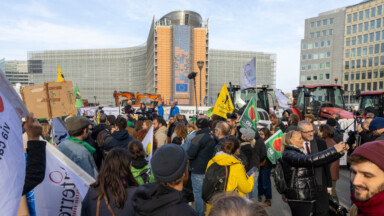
(180, 134)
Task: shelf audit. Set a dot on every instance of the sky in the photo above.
(272, 26)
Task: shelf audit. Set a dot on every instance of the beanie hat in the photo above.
(169, 163)
(373, 151)
(332, 122)
(202, 123)
(76, 123)
(248, 133)
(376, 123)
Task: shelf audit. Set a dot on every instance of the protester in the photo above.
(165, 197)
(365, 134)
(147, 124)
(111, 121)
(286, 115)
(192, 133)
(114, 188)
(75, 148)
(276, 124)
(160, 109)
(119, 136)
(180, 134)
(174, 110)
(232, 121)
(311, 119)
(222, 132)
(131, 130)
(326, 133)
(264, 180)
(247, 148)
(312, 145)
(129, 110)
(160, 130)
(377, 128)
(140, 169)
(142, 134)
(293, 121)
(200, 152)
(367, 177)
(306, 193)
(139, 125)
(338, 136)
(337, 117)
(233, 205)
(36, 158)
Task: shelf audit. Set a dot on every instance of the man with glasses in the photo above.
(312, 145)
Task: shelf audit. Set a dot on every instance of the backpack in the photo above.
(279, 179)
(145, 175)
(215, 181)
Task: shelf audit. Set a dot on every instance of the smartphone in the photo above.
(251, 171)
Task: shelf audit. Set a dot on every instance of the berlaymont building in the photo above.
(176, 43)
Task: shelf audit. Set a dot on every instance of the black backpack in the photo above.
(215, 181)
(279, 179)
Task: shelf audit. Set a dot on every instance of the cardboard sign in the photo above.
(53, 99)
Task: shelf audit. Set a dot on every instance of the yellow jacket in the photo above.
(237, 179)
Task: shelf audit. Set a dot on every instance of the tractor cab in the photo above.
(320, 100)
(371, 102)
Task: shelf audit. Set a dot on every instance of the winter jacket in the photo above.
(260, 152)
(119, 139)
(201, 150)
(187, 141)
(237, 179)
(175, 110)
(160, 111)
(304, 184)
(159, 200)
(279, 126)
(334, 166)
(246, 152)
(139, 165)
(35, 169)
(79, 155)
(89, 204)
(161, 136)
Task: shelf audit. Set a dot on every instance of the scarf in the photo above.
(83, 143)
(372, 207)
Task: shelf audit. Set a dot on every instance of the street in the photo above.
(343, 191)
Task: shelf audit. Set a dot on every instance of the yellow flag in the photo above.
(60, 76)
(223, 104)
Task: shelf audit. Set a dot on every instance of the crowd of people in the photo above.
(110, 149)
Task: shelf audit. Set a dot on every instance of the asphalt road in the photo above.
(342, 187)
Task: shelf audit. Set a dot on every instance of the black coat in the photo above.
(89, 204)
(159, 200)
(119, 139)
(304, 186)
(35, 169)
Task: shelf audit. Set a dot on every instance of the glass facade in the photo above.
(17, 72)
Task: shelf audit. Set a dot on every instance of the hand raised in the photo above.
(33, 128)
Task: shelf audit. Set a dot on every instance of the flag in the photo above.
(79, 101)
(64, 186)
(273, 145)
(248, 75)
(12, 162)
(223, 103)
(59, 130)
(147, 144)
(282, 100)
(250, 116)
(60, 76)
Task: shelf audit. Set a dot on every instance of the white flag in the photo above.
(59, 130)
(12, 162)
(248, 75)
(64, 186)
(148, 145)
(282, 100)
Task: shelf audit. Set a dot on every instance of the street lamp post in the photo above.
(192, 75)
(200, 64)
(336, 79)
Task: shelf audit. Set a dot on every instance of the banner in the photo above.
(111, 111)
(147, 144)
(90, 111)
(63, 188)
(12, 163)
(223, 104)
(79, 101)
(250, 116)
(282, 100)
(248, 75)
(273, 145)
(59, 129)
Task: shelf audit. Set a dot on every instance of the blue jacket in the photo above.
(174, 111)
(79, 155)
(160, 110)
(201, 150)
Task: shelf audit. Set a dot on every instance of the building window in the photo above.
(377, 36)
(330, 31)
(327, 76)
(374, 86)
(328, 54)
(355, 17)
(314, 77)
(376, 61)
(370, 49)
(360, 27)
(381, 85)
(361, 15)
(375, 74)
(346, 53)
(352, 76)
(320, 76)
(377, 48)
(312, 35)
(330, 21)
(309, 67)
(351, 86)
(353, 64)
(369, 86)
(353, 41)
(346, 65)
(366, 38)
(348, 42)
(321, 66)
(315, 66)
(325, 22)
(357, 87)
(366, 25)
(321, 55)
(315, 56)
(378, 23)
(362, 87)
(328, 65)
(309, 56)
(358, 63)
(372, 24)
(381, 73)
(304, 47)
(364, 63)
(353, 52)
(316, 45)
(312, 24)
(357, 75)
(382, 47)
(345, 87)
(354, 29)
(324, 32)
(303, 67)
(369, 75)
(367, 13)
(370, 62)
(318, 34)
(329, 43)
(348, 30)
(308, 78)
(382, 34)
(303, 57)
(364, 51)
(346, 77)
(309, 46)
(318, 23)
(371, 37)
(373, 12)
(379, 10)
(303, 77)
(349, 18)
(363, 75)
(359, 39)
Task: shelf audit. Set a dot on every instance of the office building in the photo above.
(17, 72)
(322, 48)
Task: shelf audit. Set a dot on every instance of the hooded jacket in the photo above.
(119, 139)
(237, 179)
(159, 200)
(139, 165)
(161, 136)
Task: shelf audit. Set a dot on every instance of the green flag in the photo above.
(79, 101)
(273, 145)
(250, 116)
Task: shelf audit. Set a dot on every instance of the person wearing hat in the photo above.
(165, 197)
(377, 128)
(200, 151)
(338, 136)
(75, 148)
(233, 123)
(367, 177)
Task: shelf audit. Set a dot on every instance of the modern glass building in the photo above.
(175, 43)
(17, 72)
